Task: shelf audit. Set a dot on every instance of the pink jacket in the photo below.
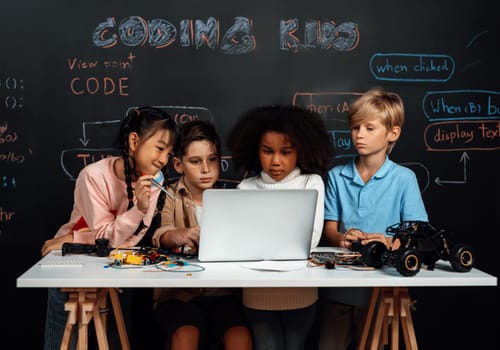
(100, 208)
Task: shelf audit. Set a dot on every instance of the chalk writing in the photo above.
(333, 108)
(411, 67)
(7, 182)
(342, 142)
(239, 39)
(7, 137)
(106, 85)
(6, 215)
(331, 105)
(13, 98)
(204, 33)
(13, 157)
(103, 86)
(183, 114)
(11, 83)
(74, 160)
(463, 135)
(137, 31)
(75, 63)
(461, 104)
(325, 35)
(227, 169)
(11, 102)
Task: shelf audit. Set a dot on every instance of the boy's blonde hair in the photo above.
(378, 104)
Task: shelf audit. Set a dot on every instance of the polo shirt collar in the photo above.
(350, 171)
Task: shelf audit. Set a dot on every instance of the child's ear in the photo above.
(133, 140)
(394, 133)
(176, 162)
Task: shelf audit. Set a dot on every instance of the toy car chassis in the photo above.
(421, 243)
(100, 248)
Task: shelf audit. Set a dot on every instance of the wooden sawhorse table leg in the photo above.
(85, 305)
(394, 307)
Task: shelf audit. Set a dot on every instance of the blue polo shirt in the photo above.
(390, 196)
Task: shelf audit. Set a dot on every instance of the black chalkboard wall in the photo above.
(68, 73)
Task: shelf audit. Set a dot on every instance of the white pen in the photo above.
(157, 184)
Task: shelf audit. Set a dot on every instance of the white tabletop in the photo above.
(94, 272)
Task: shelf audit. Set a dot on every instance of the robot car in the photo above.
(421, 243)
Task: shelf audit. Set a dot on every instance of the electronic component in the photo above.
(100, 248)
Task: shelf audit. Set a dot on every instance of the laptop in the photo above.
(254, 225)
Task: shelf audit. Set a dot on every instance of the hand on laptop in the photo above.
(187, 238)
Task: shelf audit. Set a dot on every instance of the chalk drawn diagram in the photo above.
(100, 135)
(75, 159)
(412, 67)
(463, 120)
(459, 120)
(463, 159)
(461, 105)
(84, 139)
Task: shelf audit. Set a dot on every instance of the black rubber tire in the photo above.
(374, 254)
(462, 258)
(409, 262)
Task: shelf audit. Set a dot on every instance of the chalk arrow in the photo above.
(463, 159)
(86, 140)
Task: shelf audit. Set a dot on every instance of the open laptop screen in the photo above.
(252, 225)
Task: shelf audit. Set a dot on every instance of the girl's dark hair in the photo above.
(305, 129)
(145, 121)
(196, 130)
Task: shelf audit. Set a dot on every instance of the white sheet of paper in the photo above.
(276, 265)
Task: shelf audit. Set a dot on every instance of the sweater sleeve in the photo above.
(106, 215)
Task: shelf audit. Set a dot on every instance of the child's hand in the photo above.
(143, 192)
(187, 237)
(55, 243)
(380, 237)
(351, 235)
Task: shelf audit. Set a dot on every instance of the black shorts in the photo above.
(212, 315)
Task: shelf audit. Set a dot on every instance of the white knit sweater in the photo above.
(286, 298)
